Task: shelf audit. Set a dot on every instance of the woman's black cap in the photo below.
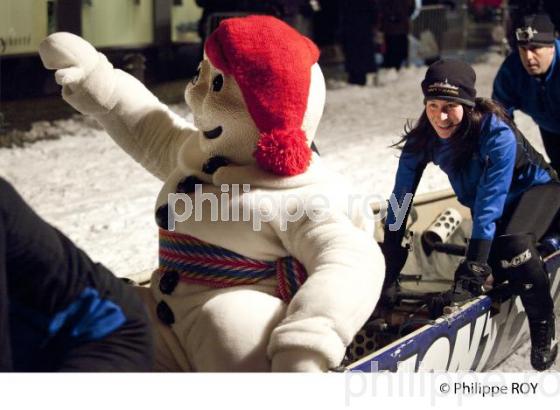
(537, 29)
(451, 80)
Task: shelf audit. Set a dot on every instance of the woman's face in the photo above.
(445, 116)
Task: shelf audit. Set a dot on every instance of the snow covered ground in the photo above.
(86, 186)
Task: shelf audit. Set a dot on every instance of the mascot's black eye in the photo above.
(196, 75)
(218, 83)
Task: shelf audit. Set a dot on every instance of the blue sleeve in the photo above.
(89, 317)
(499, 151)
(409, 172)
(504, 90)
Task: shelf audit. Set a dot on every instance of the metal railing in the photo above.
(447, 27)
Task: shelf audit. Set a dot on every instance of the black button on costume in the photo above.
(164, 313)
(168, 282)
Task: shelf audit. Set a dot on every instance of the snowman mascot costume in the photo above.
(263, 265)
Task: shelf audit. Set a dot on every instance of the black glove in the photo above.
(469, 278)
(395, 258)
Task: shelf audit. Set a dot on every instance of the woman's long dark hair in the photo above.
(464, 140)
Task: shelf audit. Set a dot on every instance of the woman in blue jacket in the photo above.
(513, 195)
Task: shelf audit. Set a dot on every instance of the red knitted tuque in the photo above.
(271, 62)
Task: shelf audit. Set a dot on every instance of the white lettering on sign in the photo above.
(465, 348)
(436, 356)
(492, 339)
(11, 42)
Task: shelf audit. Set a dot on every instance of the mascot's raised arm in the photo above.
(263, 263)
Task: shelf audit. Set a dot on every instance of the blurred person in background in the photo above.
(326, 23)
(485, 10)
(210, 7)
(529, 80)
(520, 9)
(293, 12)
(358, 19)
(395, 25)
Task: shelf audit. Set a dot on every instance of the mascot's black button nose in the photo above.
(215, 133)
(164, 313)
(161, 216)
(214, 163)
(168, 282)
(187, 185)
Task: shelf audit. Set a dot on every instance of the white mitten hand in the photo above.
(86, 76)
(298, 361)
(69, 76)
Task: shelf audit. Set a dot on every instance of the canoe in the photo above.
(411, 331)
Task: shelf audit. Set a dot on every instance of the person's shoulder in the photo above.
(511, 70)
(416, 148)
(492, 121)
(512, 61)
(556, 55)
(495, 129)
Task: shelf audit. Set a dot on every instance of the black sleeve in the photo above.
(44, 276)
(44, 268)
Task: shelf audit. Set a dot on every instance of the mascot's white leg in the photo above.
(232, 331)
(169, 355)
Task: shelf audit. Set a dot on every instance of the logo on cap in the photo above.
(525, 33)
(443, 87)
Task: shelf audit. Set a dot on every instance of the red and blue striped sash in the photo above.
(202, 263)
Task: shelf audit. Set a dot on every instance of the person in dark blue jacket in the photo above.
(529, 80)
(59, 311)
(513, 195)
